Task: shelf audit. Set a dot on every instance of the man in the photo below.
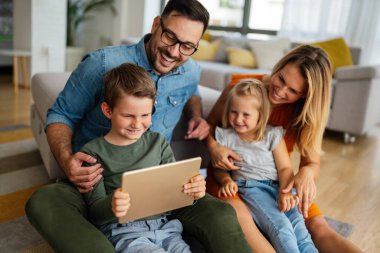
(58, 211)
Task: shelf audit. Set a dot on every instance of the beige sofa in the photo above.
(45, 88)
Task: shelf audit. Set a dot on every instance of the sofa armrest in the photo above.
(354, 104)
(357, 72)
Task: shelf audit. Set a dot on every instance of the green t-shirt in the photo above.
(150, 150)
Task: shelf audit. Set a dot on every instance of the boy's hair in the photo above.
(192, 9)
(129, 79)
(255, 88)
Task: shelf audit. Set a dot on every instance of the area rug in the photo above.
(21, 173)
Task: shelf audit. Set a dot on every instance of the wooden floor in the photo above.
(14, 109)
(348, 187)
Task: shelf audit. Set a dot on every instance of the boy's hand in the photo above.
(287, 201)
(228, 189)
(120, 203)
(196, 187)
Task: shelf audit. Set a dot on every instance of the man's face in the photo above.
(164, 57)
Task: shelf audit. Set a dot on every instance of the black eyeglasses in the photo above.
(170, 39)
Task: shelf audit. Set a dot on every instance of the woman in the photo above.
(299, 93)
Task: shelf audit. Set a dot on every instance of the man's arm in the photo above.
(84, 178)
(197, 126)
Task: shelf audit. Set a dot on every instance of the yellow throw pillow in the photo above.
(207, 36)
(206, 50)
(338, 52)
(241, 57)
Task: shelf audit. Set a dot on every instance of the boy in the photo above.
(128, 103)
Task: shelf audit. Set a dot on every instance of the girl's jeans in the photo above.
(287, 231)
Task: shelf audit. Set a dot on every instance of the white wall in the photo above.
(40, 26)
(134, 19)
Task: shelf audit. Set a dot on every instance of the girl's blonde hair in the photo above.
(311, 114)
(255, 88)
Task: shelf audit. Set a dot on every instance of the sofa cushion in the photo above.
(241, 57)
(217, 75)
(239, 41)
(338, 51)
(269, 52)
(206, 50)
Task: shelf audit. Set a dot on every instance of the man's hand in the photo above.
(84, 178)
(120, 203)
(196, 187)
(198, 128)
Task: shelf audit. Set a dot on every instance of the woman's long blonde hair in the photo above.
(255, 88)
(311, 112)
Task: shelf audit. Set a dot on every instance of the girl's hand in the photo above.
(228, 189)
(120, 203)
(196, 187)
(306, 189)
(223, 158)
(286, 201)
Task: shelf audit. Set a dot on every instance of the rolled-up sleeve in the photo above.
(81, 92)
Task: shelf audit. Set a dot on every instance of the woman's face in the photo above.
(287, 86)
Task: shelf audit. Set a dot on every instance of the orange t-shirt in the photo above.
(280, 116)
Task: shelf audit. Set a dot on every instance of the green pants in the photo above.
(59, 214)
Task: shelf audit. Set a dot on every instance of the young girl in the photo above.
(265, 168)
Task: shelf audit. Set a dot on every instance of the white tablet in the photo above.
(158, 189)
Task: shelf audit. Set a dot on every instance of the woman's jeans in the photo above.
(287, 231)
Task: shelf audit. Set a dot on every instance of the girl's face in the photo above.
(243, 115)
(287, 86)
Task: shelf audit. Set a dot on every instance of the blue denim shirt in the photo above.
(78, 105)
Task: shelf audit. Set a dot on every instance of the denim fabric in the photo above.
(154, 236)
(286, 231)
(78, 105)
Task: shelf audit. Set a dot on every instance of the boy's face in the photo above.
(130, 118)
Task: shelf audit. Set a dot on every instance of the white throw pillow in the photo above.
(269, 52)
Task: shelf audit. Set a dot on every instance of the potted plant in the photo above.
(77, 12)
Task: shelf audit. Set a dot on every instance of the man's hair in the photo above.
(129, 79)
(253, 88)
(192, 9)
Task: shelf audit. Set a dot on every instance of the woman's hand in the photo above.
(306, 189)
(196, 187)
(223, 158)
(120, 203)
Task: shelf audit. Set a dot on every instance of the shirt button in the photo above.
(175, 102)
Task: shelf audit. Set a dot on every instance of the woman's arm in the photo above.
(304, 181)
(219, 154)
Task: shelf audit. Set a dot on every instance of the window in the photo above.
(244, 16)
(266, 15)
(225, 13)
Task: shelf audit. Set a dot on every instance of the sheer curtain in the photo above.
(357, 21)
